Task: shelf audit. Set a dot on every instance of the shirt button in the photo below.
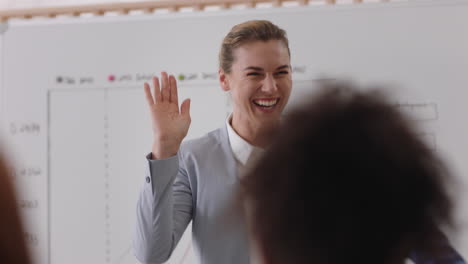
(148, 179)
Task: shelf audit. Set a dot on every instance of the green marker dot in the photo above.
(181, 77)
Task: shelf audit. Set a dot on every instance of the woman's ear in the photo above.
(223, 80)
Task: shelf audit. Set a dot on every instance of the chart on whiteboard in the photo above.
(93, 193)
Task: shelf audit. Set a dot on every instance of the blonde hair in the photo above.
(249, 31)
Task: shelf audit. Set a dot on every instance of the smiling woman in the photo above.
(260, 84)
(198, 180)
(255, 67)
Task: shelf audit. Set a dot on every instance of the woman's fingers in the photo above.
(157, 90)
(185, 108)
(149, 96)
(174, 98)
(165, 90)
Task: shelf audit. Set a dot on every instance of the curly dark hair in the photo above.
(347, 181)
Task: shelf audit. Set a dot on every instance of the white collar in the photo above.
(241, 149)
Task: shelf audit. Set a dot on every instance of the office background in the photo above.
(74, 118)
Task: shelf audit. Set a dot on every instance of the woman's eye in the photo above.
(282, 72)
(253, 74)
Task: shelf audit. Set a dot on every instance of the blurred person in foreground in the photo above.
(12, 244)
(349, 181)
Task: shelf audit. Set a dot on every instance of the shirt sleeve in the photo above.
(164, 209)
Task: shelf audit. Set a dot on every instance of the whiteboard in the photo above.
(76, 123)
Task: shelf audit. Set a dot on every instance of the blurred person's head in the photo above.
(12, 243)
(346, 181)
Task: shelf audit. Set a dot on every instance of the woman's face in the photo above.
(260, 82)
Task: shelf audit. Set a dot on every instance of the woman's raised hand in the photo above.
(170, 125)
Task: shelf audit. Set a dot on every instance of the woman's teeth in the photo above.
(266, 103)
